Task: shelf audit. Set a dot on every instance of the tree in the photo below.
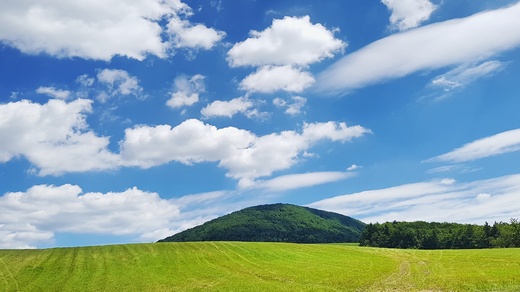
(431, 240)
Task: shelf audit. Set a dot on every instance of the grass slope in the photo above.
(276, 223)
(253, 266)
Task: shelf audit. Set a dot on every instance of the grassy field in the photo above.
(237, 266)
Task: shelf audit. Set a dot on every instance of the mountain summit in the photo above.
(276, 223)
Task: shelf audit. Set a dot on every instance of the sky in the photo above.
(128, 121)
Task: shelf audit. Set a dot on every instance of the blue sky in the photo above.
(128, 121)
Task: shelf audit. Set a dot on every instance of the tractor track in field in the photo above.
(13, 279)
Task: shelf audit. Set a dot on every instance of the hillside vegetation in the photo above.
(257, 266)
(276, 223)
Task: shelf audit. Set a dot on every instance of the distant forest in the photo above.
(424, 235)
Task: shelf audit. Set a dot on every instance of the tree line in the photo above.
(426, 235)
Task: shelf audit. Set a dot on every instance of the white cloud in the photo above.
(186, 91)
(85, 80)
(289, 41)
(439, 45)
(243, 154)
(103, 29)
(448, 181)
(54, 137)
(505, 142)
(354, 167)
(408, 14)
(190, 142)
(460, 168)
(182, 98)
(279, 151)
(301, 180)
(53, 92)
(474, 202)
(465, 74)
(37, 214)
(85, 29)
(198, 36)
(269, 79)
(220, 108)
(332, 131)
(293, 108)
(119, 82)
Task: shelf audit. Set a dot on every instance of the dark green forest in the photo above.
(424, 235)
(276, 223)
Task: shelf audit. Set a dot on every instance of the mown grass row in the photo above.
(238, 266)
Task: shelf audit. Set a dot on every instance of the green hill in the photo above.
(276, 223)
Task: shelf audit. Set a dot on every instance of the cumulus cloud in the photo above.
(220, 108)
(54, 137)
(198, 36)
(53, 92)
(35, 215)
(505, 142)
(243, 154)
(190, 142)
(440, 200)
(118, 82)
(187, 91)
(291, 108)
(269, 79)
(282, 52)
(102, 30)
(289, 41)
(408, 14)
(454, 42)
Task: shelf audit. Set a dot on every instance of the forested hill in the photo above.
(276, 223)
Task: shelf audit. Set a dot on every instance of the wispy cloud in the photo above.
(53, 92)
(293, 107)
(456, 168)
(302, 180)
(464, 75)
(501, 143)
(354, 167)
(453, 42)
(440, 200)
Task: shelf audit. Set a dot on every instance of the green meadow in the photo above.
(255, 266)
